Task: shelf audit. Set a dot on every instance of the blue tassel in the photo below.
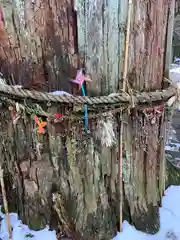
(85, 110)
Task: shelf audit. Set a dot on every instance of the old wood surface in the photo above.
(66, 177)
(101, 28)
(74, 171)
(145, 71)
(101, 33)
(41, 47)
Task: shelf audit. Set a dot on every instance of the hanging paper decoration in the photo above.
(40, 125)
(15, 113)
(15, 118)
(80, 79)
(58, 116)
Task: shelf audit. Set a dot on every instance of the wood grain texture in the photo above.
(98, 39)
(41, 42)
(80, 172)
(101, 28)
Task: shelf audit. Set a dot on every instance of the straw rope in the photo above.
(138, 97)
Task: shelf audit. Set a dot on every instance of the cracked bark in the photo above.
(74, 171)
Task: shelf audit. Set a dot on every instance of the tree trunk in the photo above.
(40, 50)
(68, 178)
(101, 31)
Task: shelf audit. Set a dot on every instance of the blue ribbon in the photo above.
(85, 110)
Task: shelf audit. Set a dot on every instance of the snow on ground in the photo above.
(169, 224)
(174, 73)
(169, 220)
(22, 232)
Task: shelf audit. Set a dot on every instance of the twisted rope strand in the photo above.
(139, 97)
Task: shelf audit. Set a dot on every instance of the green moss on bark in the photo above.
(172, 174)
(150, 223)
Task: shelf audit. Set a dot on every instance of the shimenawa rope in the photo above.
(139, 97)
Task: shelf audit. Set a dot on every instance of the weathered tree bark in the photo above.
(67, 178)
(173, 175)
(41, 48)
(72, 174)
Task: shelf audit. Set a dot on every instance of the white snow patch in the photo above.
(174, 73)
(22, 232)
(61, 93)
(169, 224)
(169, 220)
(175, 147)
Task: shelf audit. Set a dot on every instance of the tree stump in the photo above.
(67, 178)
